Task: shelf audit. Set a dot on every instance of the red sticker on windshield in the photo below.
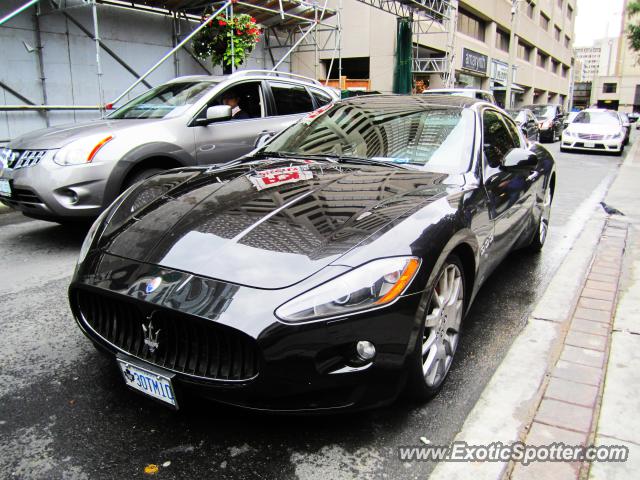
(279, 176)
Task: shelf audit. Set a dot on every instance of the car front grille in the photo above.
(21, 158)
(590, 136)
(24, 195)
(186, 344)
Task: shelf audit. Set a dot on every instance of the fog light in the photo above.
(366, 350)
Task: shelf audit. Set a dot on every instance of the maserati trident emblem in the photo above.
(151, 336)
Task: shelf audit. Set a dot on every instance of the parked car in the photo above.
(527, 123)
(626, 125)
(570, 117)
(325, 271)
(463, 92)
(550, 120)
(595, 129)
(73, 172)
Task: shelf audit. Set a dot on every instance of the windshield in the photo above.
(168, 100)
(600, 118)
(436, 138)
(518, 115)
(544, 111)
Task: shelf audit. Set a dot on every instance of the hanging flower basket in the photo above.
(214, 41)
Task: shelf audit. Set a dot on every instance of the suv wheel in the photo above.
(139, 176)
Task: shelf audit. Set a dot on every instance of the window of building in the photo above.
(609, 87)
(544, 21)
(555, 66)
(524, 51)
(530, 9)
(502, 40)
(569, 12)
(557, 33)
(471, 25)
(541, 60)
(565, 71)
(567, 41)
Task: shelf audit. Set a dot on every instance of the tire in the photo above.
(439, 333)
(542, 229)
(139, 176)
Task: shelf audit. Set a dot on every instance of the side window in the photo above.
(320, 97)
(497, 139)
(245, 100)
(513, 129)
(290, 99)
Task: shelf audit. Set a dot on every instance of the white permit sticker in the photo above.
(279, 176)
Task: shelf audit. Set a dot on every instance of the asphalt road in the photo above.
(65, 413)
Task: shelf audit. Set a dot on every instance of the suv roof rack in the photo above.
(242, 73)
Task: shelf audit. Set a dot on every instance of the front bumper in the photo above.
(300, 368)
(50, 191)
(610, 145)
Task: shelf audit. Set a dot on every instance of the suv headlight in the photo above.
(81, 151)
(371, 285)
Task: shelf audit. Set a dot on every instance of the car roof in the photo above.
(393, 102)
(445, 90)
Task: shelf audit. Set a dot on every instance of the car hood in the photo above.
(61, 135)
(225, 224)
(593, 128)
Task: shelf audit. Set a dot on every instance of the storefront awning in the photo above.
(501, 87)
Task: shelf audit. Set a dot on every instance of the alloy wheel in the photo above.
(442, 325)
(544, 218)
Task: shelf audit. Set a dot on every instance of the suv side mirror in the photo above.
(217, 113)
(519, 158)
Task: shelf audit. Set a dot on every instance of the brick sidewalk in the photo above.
(571, 396)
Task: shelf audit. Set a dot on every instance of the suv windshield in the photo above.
(600, 118)
(435, 138)
(544, 111)
(168, 100)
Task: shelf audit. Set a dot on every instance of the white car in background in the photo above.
(594, 129)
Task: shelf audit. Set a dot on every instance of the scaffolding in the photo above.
(289, 26)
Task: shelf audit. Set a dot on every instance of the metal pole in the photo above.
(96, 35)
(176, 35)
(450, 75)
(512, 52)
(36, 20)
(339, 16)
(17, 11)
(293, 47)
(233, 47)
(172, 51)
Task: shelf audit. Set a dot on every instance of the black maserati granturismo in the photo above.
(329, 269)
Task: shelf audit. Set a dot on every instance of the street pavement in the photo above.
(65, 413)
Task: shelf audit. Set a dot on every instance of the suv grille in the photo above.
(187, 344)
(21, 158)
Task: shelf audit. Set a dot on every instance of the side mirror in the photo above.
(520, 158)
(263, 138)
(217, 113)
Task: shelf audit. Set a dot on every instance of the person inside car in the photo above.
(233, 100)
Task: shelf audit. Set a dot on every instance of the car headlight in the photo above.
(568, 133)
(372, 285)
(81, 151)
(617, 135)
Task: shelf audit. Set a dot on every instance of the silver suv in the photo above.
(74, 171)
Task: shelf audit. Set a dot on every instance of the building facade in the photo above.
(544, 32)
(621, 89)
(600, 59)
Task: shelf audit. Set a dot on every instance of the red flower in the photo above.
(239, 32)
(253, 20)
(222, 23)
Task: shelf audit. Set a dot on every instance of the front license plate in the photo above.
(5, 187)
(589, 144)
(148, 382)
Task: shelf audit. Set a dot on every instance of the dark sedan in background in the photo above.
(550, 120)
(328, 270)
(526, 121)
